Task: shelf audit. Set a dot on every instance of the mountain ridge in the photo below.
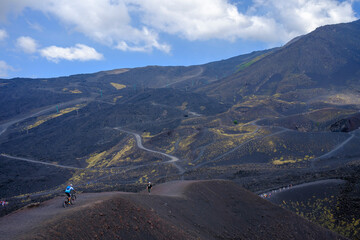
(312, 61)
(174, 210)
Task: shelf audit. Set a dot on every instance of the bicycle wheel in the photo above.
(64, 204)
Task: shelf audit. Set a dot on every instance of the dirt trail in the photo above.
(174, 210)
(320, 184)
(173, 160)
(173, 189)
(333, 151)
(39, 162)
(329, 154)
(200, 70)
(28, 219)
(6, 125)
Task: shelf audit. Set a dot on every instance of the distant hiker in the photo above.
(148, 187)
(69, 190)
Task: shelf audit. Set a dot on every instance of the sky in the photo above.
(51, 38)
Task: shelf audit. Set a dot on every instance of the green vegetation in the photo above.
(252, 61)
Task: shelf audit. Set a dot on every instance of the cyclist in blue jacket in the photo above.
(69, 190)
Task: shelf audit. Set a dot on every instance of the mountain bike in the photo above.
(67, 203)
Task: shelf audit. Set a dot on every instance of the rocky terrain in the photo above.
(263, 120)
(175, 210)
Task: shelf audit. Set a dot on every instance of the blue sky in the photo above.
(50, 38)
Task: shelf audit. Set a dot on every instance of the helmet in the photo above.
(70, 184)
(149, 182)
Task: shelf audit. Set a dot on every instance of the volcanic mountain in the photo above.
(21, 95)
(327, 59)
(263, 120)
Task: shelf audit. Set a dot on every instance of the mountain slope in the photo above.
(22, 95)
(175, 210)
(177, 76)
(327, 58)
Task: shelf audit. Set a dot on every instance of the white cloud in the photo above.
(193, 19)
(136, 25)
(266, 20)
(151, 41)
(4, 68)
(34, 25)
(296, 17)
(27, 44)
(80, 52)
(105, 21)
(3, 34)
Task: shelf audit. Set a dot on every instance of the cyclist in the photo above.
(148, 187)
(69, 190)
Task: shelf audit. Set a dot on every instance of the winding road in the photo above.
(242, 144)
(173, 160)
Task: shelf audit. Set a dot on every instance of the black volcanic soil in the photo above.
(320, 189)
(18, 178)
(176, 210)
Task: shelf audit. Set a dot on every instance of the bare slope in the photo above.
(175, 210)
(327, 58)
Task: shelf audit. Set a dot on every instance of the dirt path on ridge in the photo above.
(24, 220)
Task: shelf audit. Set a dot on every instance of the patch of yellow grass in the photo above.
(122, 153)
(183, 106)
(148, 135)
(171, 149)
(95, 159)
(113, 156)
(47, 118)
(341, 99)
(184, 144)
(118, 86)
(282, 161)
(75, 91)
(116, 98)
(241, 130)
(143, 179)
